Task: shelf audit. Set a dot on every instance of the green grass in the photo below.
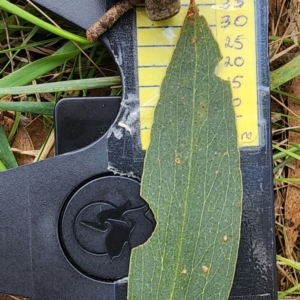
(40, 58)
(294, 265)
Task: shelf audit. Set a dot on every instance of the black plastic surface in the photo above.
(81, 13)
(36, 259)
(48, 242)
(32, 261)
(256, 268)
(81, 121)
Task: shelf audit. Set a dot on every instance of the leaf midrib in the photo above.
(190, 156)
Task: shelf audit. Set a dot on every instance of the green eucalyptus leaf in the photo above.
(191, 179)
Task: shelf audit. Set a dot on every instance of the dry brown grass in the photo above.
(284, 22)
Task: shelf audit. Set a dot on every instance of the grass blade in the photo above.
(2, 167)
(70, 85)
(39, 108)
(285, 73)
(6, 156)
(16, 10)
(40, 67)
(287, 152)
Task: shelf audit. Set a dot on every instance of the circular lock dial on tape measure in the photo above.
(101, 221)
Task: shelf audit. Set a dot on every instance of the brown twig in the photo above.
(157, 10)
(108, 19)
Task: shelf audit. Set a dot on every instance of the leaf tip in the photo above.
(193, 10)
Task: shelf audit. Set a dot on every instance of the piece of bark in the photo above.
(161, 10)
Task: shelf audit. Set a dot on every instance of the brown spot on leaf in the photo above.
(194, 40)
(184, 271)
(177, 160)
(225, 238)
(204, 269)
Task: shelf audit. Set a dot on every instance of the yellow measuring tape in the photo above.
(233, 23)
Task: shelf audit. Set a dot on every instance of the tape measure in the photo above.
(233, 24)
